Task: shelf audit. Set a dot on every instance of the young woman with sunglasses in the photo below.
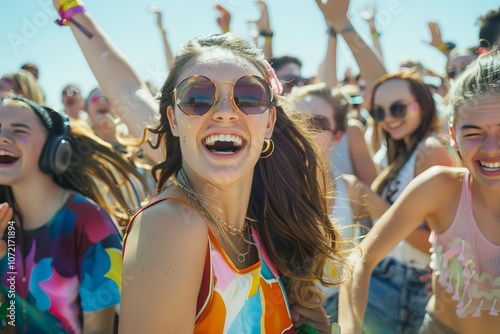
(62, 273)
(462, 207)
(239, 234)
(404, 108)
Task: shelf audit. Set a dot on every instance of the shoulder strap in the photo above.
(206, 287)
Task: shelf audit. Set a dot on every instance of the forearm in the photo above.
(267, 48)
(109, 66)
(168, 51)
(353, 300)
(329, 70)
(130, 97)
(370, 65)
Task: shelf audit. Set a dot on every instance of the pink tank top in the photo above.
(466, 262)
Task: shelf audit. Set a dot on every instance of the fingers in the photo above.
(5, 216)
(221, 9)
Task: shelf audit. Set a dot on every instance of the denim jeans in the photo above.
(331, 304)
(397, 299)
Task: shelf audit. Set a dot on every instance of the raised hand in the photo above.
(224, 18)
(436, 38)
(262, 22)
(335, 12)
(5, 217)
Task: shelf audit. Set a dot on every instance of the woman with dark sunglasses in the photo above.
(404, 109)
(239, 234)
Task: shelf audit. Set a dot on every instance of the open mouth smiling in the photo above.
(7, 157)
(224, 143)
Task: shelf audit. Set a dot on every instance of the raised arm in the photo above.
(168, 50)
(419, 200)
(264, 28)
(335, 12)
(224, 18)
(130, 97)
(369, 16)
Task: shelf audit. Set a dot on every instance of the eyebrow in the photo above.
(21, 125)
(475, 127)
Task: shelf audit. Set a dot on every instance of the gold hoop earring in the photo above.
(267, 149)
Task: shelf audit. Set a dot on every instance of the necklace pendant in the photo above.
(241, 257)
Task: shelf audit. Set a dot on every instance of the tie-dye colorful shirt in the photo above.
(73, 265)
(250, 300)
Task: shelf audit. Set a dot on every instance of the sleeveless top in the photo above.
(404, 252)
(466, 262)
(340, 160)
(232, 300)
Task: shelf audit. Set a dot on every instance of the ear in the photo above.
(453, 137)
(172, 120)
(271, 121)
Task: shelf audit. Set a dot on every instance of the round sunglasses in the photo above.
(197, 95)
(397, 109)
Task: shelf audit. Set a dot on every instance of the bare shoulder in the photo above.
(441, 188)
(433, 151)
(441, 180)
(165, 227)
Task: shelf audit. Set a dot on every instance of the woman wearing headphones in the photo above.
(61, 269)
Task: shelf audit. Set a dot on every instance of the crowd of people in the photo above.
(242, 197)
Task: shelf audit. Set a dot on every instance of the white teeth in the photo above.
(490, 165)
(236, 140)
(2, 153)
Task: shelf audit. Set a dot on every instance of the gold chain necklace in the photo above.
(197, 201)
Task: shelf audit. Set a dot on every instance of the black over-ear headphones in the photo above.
(57, 151)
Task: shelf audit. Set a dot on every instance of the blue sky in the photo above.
(28, 34)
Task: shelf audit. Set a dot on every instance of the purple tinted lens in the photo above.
(252, 95)
(195, 95)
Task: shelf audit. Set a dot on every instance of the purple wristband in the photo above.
(72, 11)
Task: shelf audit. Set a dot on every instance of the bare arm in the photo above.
(328, 69)
(162, 269)
(363, 165)
(403, 217)
(335, 12)
(168, 50)
(5, 216)
(130, 97)
(264, 25)
(432, 153)
(224, 18)
(375, 35)
(99, 322)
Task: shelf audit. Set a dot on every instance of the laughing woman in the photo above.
(238, 240)
(64, 249)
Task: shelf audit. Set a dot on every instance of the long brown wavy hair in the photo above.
(288, 196)
(398, 152)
